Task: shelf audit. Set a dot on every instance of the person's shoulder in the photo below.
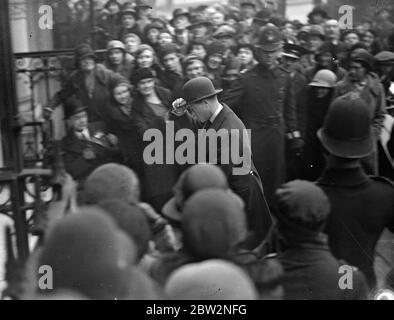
(383, 181)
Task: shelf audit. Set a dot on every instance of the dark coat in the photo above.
(171, 80)
(311, 272)
(313, 155)
(246, 184)
(130, 141)
(361, 208)
(158, 178)
(75, 85)
(264, 100)
(75, 164)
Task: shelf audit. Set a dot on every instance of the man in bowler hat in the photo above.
(83, 148)
(202, 102)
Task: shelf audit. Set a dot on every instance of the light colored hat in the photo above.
(210, 280)
(324, 78)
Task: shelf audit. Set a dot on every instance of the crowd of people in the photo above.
(318, 196)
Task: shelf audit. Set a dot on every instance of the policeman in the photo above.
(361, 206)
(264, 100)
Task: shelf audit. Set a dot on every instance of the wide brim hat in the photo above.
(198, 89)
(350, 149)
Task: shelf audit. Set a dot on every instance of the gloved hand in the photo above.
(179, 107)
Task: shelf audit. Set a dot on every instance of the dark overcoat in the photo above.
(264, 101)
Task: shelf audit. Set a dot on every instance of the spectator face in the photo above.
(195, 69)
(115, 56)
(325, 59)
(164, 38)
(146, 86)
(171, 62)
(356, 71)
(368, 39)
(314, 43)
(269, 58)
(321, 92)
(351, 39)
(153, 35)
(245, 56)
(145, 59)
(199, 51)
(288, 30)
(181, 23)
(200, 31)
(227, 41)
(248, 11)
(87, 64)
(128, 21)
(332, 31)
(122, 94)
(132, 44)
(79, 121)
(288, 62)
(143, 12)
(231, 75)
(317, 19)
(113, 8)
(217, 18)
(214, 61)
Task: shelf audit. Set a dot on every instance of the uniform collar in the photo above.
(343, 177)
(214, 116)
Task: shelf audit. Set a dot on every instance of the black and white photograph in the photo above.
(196, 154)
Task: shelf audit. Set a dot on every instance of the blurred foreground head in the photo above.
(213, 224)
(112, 181)
(87, 254)
(210, 280)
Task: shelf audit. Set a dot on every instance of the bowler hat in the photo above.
(353, 140)
(199, 89)
(270, 39)
(73, 106)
